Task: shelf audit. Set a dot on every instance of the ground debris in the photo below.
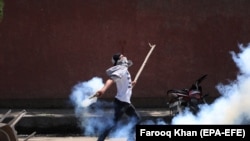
(7, 129)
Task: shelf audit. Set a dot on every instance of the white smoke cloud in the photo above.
(233, 106)
(79, 97)
(82, 91)
(93, 114)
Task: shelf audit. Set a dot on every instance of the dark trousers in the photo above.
(121, 108)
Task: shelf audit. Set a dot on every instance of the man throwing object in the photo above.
(120, 75)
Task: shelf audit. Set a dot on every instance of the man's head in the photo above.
(120, 59)
(115, 58)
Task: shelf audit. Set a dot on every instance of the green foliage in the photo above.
(1, 9)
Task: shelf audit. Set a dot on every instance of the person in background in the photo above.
(120, 75)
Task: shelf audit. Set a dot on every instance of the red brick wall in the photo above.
(50, 45)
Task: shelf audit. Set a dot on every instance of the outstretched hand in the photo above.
(99, 93)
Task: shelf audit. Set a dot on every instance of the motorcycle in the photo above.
(191, 98)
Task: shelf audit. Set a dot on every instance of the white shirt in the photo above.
(122, 77)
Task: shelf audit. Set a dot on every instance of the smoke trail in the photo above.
(84, 111)
(82, 91)
(233, 106)
(93, 114)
